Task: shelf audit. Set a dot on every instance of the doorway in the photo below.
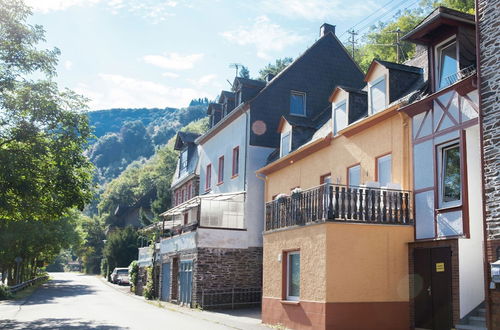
(432, 288)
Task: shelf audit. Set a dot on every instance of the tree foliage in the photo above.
(44, 174)
(275, 68)
(121, 247)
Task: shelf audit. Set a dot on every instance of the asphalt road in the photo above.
(74, 301)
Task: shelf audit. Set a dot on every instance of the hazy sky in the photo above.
(159, 53)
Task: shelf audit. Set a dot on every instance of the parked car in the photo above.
(120, 276)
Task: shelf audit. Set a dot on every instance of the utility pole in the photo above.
(351, 40)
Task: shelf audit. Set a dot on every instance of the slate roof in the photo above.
(227, 94)
(214, 106)
(184, 138)
(252, 82)
(400, 67)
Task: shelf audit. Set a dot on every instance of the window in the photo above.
(189, 191)
(236, 161)
(285, 144)
(183, 161)
(377, 95)
(293, 275)
(354, 175)
(447, 63)
(327, 178)
(339, 116)
(221, 170)
(298, 104)
(384, 170)
(208, 177)
(186, 218)
(450, 183)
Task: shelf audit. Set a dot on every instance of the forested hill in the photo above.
(126, 135)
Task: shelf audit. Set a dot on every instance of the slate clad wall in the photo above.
(489, 43)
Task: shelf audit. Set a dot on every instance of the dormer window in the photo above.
(377, 95)
(446, 63)
(339, 116)
(298, 103)
(183, 161)
(285, 143)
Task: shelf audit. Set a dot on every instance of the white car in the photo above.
(120, 276)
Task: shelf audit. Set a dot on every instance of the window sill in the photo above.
(290, 302)
(449, 209)
(219, 183)
(234, 176)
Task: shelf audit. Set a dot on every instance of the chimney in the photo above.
(325, 29)
(269, 77)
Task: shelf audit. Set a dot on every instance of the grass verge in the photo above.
(23, 294)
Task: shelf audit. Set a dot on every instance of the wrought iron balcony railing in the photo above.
(330, 202)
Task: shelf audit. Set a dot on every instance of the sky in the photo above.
(163, 53)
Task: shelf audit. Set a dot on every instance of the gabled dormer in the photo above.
(185, 144)
(294, 131)
(245, 89)
(214, 112)
(449, 36)
(348, 106)
(387, 82)
(227, 99)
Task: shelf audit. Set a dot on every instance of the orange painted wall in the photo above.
(389, 136)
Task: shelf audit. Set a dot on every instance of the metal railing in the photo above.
(230, 298)
(462, 74)
(330, 202)
(20, 286)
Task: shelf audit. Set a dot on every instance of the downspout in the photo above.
(263, 177)
(247, 133)
(481, 141)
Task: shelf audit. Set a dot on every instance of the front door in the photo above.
(432, 287)
(185, 281)
(165, 282)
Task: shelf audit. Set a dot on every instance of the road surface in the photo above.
(74, 301)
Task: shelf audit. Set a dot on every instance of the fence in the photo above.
(230, 298)
(330, 202)
(19, 287)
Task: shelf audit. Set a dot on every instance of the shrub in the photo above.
(104, 267)
(133, 273)
(5, 293)
(149, 289)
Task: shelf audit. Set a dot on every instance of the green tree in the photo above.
(43, 172)
(121, 247)
(244, 72)
(275, 68)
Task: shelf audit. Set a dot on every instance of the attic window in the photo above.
(447, 63)
(339, 116)
(298, 103)
(285, 144)
(183, 161)
(377, 95)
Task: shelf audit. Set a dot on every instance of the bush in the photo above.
(104, 267)
(5, 293)
(149, 289)
(133, 273)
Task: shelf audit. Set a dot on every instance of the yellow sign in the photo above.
(439, 267)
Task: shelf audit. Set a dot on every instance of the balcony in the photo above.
(339, 203)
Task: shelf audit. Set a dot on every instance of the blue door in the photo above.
(165, 282)
(185, 281)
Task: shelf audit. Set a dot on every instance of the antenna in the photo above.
(352, 40)
(236, 66)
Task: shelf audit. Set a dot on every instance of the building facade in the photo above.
(446, 259)
(338, 211)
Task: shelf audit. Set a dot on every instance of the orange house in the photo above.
(338, 214)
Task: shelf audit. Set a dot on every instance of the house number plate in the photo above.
(439, 267)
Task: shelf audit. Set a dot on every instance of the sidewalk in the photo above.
(244, 319)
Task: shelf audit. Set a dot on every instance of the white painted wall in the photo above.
(424, 211)
(222, 238)
(471, 250)
(255, 204)
(222, 144)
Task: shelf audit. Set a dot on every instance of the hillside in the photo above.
(126, 135)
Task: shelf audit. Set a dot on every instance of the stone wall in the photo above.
(222, 270)
(488, 14)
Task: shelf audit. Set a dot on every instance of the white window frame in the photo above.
(386, 94)
(282, 151)
(440, 161)
(288, 276)
(437, 59)
(335, 106)
(305, 103)
(378, 169)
